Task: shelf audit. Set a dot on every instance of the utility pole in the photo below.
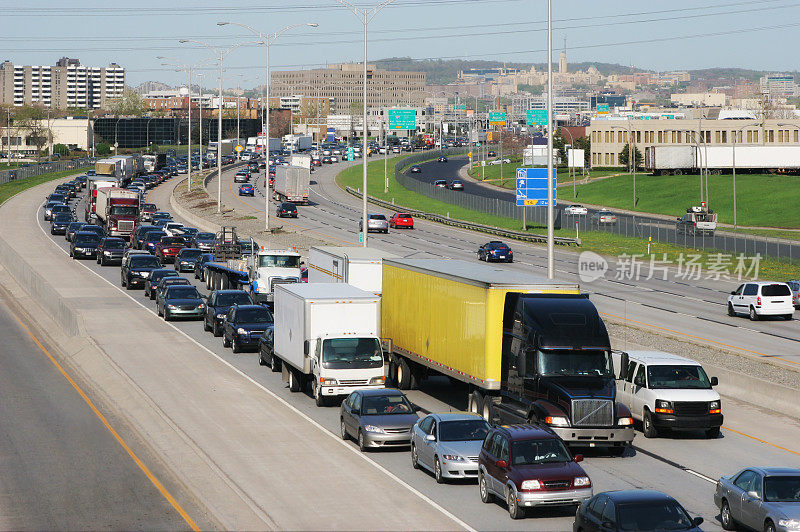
(550, 195)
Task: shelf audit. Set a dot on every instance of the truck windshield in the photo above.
(351, 353)
(124, 210)
(677, 377)
(575, 363)
(278, 261)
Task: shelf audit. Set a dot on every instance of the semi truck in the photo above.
(358, 266)
(530, 350)
(117, 210)
(226, 144)
(154, 162)
(298, 142)
(678, 160)
(291, 184)
(93, 184)
(258, 273)
(327, 335)
(257, 144)
(123, 167)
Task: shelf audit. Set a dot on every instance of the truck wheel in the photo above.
(275, 364)
(713, 433)
(476, 403)
(261, 360)
(648, 429)
(208, 281)
(294, 381)
(319, 399)
(403, 379)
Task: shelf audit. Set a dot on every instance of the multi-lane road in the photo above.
(685, 466)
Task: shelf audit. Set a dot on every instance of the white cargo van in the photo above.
(666, 391)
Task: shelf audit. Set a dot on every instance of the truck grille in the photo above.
(690, 408)
(125, 225)
(353, 382)
(592, 412)
(273, 282)
(557, 484)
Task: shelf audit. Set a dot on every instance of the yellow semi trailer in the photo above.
(530, 349)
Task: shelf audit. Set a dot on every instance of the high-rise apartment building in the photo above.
(779, 85)
(343, 85)
(66, 84)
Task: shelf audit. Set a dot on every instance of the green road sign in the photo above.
(536, 117)
(402, 119)
(461, 107)
(497, 118)
(602, 108)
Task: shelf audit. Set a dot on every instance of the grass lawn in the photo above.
(15, 187)
(491, 173)
(597, 241)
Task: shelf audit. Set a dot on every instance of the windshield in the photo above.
(205, 236)
(230, 299)
(575, 363)
(144, 261)
(666, 515)
(782, 489)
(160, 274)
(191, 254)
(182, 292)
(155, 236)
(352, 353)
(527, 452)
(114, 244)
(188, 230)
(124, 210)
(172, 240)
(385, 405)
(676, 377)
(63, 217)
(81, 240)
(278, 261)
(253, 315)
(463, 430)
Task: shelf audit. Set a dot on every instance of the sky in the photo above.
(675, 35)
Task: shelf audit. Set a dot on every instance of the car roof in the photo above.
(526, 432)
(251, 307)
(637, 495)
(762, 283)
(772, 471)
(660, 357)
(380, 392)
(455, 416)
(229, 291)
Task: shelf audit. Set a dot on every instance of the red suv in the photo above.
(168, 248)
(527, 466)
(401, 219)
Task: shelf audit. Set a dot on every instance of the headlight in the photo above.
(664, 407)
(78, 249)
(377, 380)
(106, 253)
(373, 428)
(530, 485)
(557, 421)
(201, 305)
(452, 457)
(789, 524)
(625, 421)
(582, 482)
(327, 382)
(241, 331)
(172, 307)
(715, 407)
(221, 316)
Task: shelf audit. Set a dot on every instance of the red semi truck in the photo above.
(117, 210)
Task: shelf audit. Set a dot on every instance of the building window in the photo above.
(770, 135)
(796, 136)
(660, 137)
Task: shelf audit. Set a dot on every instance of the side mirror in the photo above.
(697, 521)
(733, 292)
(577, 458)
(623, 365)
(608, 525)
(305, 347)
(714, 381)
(754, 495)
(679, 219)
(502, 464)
(430, 437)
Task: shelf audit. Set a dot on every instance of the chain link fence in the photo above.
(13, 174)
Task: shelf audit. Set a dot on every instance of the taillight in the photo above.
(758, 301)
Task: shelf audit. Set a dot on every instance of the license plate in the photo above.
(502, 256)
(87, 252)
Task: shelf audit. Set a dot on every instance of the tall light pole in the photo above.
(266, 39)
(365, 16)
(550, 195)
(220, 54)
(733, 166)
(631, 156)
(200, 109)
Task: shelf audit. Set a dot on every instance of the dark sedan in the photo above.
(244, 325)
(111, 250)
(377, 418)
(151, 239)
(180, 302)
(219, 302)
(60, 223)
(633, 510)
(138, 236)
(199, 270)
(266, 354)
(204, 241)
(84, 245)
(73, 228)
(186, 259)
(92, 228)
(415, 169)
(286, 210)
(495, 251)
(155, 277)
(442, 159)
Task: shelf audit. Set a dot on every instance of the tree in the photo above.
(61, 149)
(31, 123)
(623, 156)
(129, 104)
(102, 149)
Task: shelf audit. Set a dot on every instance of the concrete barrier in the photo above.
(186, 214)
(755, 391)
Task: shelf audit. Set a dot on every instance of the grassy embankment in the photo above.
(15, 187)
(597, 241)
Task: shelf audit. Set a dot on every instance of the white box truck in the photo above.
(358, 266)
(328, 335)
(292, 184)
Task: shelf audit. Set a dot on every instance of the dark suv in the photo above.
(528, 466)
(219, 302)
(136, 269)
(244, 325)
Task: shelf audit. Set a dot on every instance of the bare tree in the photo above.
(129, 104)
(31, 123)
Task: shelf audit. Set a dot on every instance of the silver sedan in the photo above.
(448, 444)
(760, 498)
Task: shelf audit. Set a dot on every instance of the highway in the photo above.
(684, 467)
(641, 226)
(60, 466)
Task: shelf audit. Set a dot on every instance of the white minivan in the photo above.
(666, 391)
(761, 298)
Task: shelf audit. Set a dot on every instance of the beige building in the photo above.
(609, 137)
(67, 84)
(75, 133)
(343, 84)
(700, 99)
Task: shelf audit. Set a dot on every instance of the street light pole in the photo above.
(200, 109)
(550, 196)
(266, 40)
(733, 167)
(365, 16)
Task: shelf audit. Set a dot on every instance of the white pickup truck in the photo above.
(698, 221)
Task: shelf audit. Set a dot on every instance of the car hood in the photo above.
(461, 448)
(192, 301)
(390, 421)
(554, 471)
(686, 394)
(785, 510)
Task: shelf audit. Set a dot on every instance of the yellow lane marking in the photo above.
(761, 441)
(160, 487)
(701, 338)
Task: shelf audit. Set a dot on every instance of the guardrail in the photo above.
(505, 233)
(22, 172)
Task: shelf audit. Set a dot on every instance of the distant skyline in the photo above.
(684, 35)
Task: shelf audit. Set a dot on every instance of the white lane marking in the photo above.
(700, 475)
(303, 415)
